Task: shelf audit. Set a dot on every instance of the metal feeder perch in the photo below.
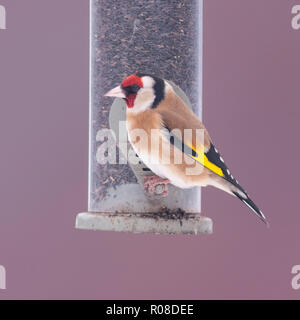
(163, 38)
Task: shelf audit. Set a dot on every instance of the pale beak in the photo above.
(115, 92)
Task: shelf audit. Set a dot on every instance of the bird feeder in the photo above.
(158, 37)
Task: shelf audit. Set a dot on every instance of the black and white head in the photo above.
(140, 92)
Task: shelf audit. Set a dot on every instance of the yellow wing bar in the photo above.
(202, 158)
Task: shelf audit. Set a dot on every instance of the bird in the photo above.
(157, 116)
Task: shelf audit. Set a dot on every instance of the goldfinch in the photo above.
(156, 115)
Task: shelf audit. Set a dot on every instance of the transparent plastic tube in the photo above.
(159, 37)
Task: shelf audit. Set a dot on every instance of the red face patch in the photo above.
(130, 100)
(131, 80)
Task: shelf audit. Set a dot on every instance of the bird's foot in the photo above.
(156, 185)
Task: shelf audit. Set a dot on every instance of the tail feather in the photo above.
(234, 188)
(228, 183)
(248, 202)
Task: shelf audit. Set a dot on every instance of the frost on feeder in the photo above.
(164, 39)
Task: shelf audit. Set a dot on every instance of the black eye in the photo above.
(131, 89)
(134, 88)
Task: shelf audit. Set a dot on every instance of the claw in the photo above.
(156, 185)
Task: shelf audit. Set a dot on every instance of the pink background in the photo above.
(251, 108)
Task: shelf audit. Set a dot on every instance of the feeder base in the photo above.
(144, 223)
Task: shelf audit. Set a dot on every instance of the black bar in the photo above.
(155, 309)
